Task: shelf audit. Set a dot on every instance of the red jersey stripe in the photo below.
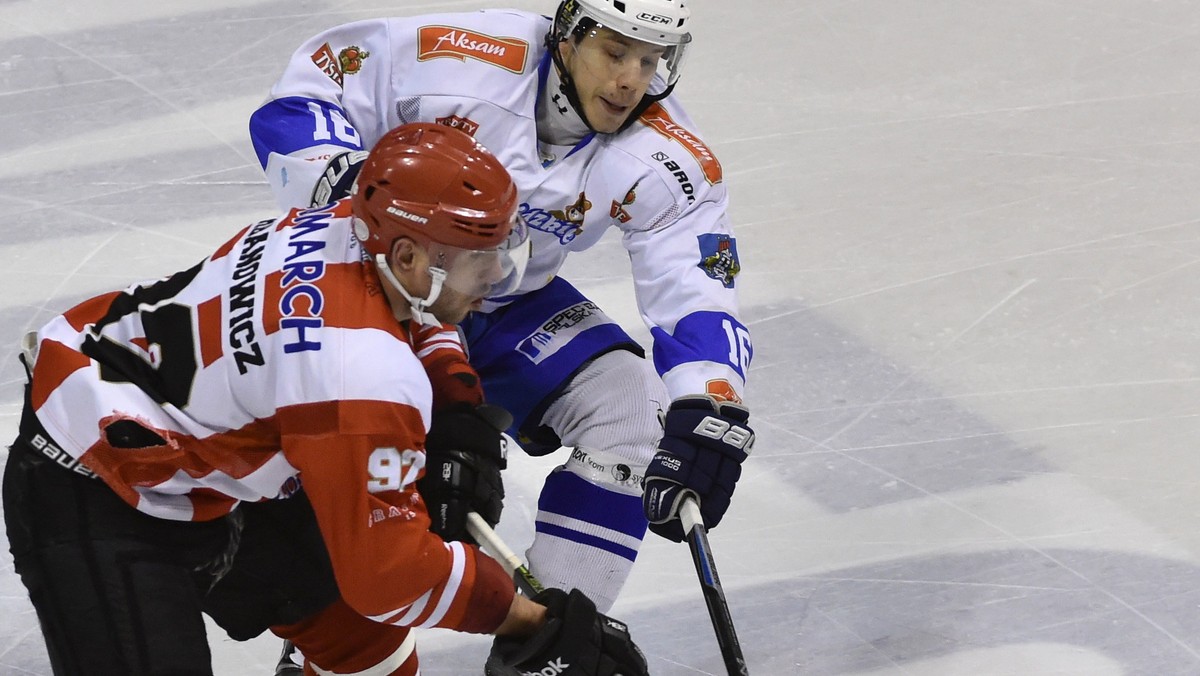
(90, 311)
(208, 318)
(55, 363)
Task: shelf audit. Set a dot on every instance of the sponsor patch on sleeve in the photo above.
(328, 63)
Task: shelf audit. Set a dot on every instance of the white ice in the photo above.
(970, 244)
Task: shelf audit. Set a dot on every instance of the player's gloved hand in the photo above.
(575, 641)
(339, 175)
(704, 443)
(454, 380)
(464, 452)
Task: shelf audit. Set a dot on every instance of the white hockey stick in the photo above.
(486, 537)
(710, 584)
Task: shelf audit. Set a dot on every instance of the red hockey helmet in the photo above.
(438, 187)
(433, 183)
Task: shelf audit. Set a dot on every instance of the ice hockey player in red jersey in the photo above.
(169, 427)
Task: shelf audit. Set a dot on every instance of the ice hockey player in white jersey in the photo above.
(578, 109)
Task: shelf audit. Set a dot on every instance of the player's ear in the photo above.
(410, 265)
(405, 254)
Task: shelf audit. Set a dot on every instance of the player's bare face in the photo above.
(452, 307)
(611, 74)
(469, 280)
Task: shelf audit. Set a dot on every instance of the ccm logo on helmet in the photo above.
(654, 18)
(407, 216)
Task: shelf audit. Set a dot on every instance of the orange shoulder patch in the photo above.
(434, 42)
(657, 118)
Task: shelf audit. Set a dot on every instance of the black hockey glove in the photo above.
(339, 175)
(704, 443)
(464, 453)
(575, 641)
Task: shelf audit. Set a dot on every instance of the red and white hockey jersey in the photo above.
(274, 361)
(657, 182)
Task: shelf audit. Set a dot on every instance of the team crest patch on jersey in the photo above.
(719, 259)
(465, 124)
(328, 63)
(657, 118)
(574, 213)
(351, 59)
(618, 212)
(434, 42)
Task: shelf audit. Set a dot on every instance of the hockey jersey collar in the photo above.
(543, 80)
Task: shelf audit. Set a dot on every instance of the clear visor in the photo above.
(610, 53)
(484, 273)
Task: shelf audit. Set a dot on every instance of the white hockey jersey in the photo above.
(256, 369)
(657, 181)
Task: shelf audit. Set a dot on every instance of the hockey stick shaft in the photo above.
(710, 584)
(484, 535)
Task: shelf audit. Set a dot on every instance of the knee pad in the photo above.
(280, 574)
(610, 408)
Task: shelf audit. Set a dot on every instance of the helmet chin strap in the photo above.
(560, 118)
(419, 306)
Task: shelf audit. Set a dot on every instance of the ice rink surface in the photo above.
(970, 248)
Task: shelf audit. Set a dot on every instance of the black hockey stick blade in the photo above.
(710, 584)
